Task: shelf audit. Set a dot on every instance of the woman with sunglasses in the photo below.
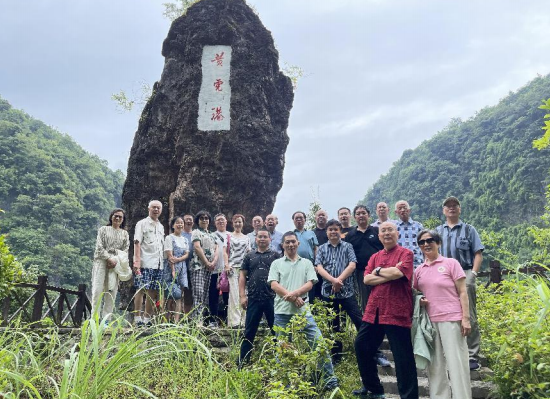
(443, 285)
(205, 257)
(110, 239)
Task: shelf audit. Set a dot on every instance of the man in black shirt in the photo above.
(254, 271)
(321, 219)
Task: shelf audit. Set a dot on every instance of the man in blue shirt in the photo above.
(335, 263)
(308, 242)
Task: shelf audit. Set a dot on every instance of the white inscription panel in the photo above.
(215, 93)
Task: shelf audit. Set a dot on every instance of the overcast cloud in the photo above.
(381, 75)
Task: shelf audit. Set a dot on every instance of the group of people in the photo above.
(368, 271)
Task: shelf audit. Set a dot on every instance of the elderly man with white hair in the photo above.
(148, 262)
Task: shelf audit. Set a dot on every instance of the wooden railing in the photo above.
(496, 272)
(39, 305)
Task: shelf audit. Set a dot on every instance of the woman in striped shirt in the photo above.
(110, 238)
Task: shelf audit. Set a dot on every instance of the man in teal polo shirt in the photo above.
(291, 278)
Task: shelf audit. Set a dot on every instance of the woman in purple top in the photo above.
(443, 285)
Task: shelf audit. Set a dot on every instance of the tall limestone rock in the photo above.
(213, 134)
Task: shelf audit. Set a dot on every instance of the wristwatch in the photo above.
(377, 270)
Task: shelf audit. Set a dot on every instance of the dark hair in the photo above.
(123, 224)
(344, 207)
(294, 214)
(173, 222)
(236, 216)
(361, 207)
(202, 213)
(334, 222)
(288, 234)
(435, 235)
(266, 230)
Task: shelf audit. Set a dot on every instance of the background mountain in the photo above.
(488, 162)
(55, 196)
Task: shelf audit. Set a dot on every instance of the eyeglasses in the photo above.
(204, 218)
(118, 217)
(426, 241)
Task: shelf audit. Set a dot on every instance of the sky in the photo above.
(380, 76)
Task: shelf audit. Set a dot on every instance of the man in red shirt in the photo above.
(388, 312)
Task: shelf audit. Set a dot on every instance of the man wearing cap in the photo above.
(461, 241)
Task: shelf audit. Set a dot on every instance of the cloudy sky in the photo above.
(381, 76)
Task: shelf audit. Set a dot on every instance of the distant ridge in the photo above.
(487, 161)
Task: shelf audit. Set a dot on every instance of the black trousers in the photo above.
(254, 311)
(351, 307)
(368, 340)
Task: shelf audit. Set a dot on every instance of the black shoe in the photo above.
(474, 365)
(140, 324)
(331, 386)
(361, 392)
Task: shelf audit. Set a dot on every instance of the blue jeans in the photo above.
(313, 334)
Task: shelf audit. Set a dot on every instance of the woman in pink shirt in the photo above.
(443, 285)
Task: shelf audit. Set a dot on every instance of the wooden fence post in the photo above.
(39, 297)
(496, 272)
(80, 305)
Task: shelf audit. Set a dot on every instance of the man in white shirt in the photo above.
(148, 262)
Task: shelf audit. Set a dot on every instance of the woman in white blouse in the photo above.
(110, 239)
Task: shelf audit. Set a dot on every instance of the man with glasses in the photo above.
(408, 230)
(388, 312)
(307, 243)
(461, 241)
(148, 262)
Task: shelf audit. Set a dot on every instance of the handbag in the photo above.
(223, 282)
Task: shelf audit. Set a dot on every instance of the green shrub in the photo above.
(516, 336)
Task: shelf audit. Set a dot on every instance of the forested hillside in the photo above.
(54, 194)
(487, 161)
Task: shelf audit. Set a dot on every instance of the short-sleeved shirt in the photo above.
(252, 238)
(365, 244)
(308, 242)
(291, 275)
(150, 235)
(276, 241)
(335, 259)
(392, 300)
(181, 242)
(461, 243)
(207, 242)
(408, 231)
(240, 246)
(222, 239)
(257, 265)
(437, 283)
(321, 235)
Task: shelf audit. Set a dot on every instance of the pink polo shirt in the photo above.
(437, 283)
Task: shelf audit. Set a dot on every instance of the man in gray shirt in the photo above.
(461, 241)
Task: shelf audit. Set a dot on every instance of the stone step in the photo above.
(480, 389)
(478, 375)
